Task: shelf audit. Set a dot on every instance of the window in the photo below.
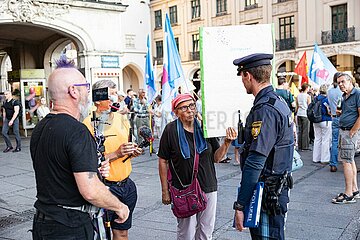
(251, 2)
(195, 41)
(286, 27)
(339, 17)
(177, 43)
(158, 19)
(173, 14)
(220, 7)
(195, 9)
(159, 49)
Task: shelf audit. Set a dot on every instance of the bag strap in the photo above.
(195, 169)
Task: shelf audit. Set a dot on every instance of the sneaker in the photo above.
(333, 168)
(356, 194)
(8, 149)
(342, 198)
(16, 150)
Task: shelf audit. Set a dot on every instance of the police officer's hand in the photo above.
(123, 214)
(231, 134)
(239, 220)
(104, 168)
(166, 199)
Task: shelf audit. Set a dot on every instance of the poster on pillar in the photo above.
(223, 93)
(32, 92)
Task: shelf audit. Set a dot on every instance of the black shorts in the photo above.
(126, 192)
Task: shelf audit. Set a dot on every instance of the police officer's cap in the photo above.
(253, 60)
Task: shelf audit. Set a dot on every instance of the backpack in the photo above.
(314, 111)
(20, 107)
(287, 100)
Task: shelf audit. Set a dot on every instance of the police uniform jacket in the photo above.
(269, 141)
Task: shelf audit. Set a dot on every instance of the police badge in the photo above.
(255, 129)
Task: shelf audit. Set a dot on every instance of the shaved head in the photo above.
(66, 93)
(60, 80)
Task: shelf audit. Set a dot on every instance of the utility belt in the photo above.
(144, 116)
(273, 187)
(345, 128)
(87, 208)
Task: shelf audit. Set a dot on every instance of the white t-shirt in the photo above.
(302, 100)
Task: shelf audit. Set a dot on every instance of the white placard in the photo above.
(223, 92)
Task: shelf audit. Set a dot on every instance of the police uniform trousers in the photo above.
(272, 227)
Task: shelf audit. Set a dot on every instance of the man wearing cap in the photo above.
(122, 105)
(268, 149)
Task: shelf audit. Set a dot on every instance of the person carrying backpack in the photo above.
(10, 111)
(302, 102)
(322, 128)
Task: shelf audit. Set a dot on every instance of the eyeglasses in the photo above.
(191, 106)
(341, 82)
(87, 85)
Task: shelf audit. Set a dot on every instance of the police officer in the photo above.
(268, 149)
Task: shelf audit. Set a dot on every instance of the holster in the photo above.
(273, 187)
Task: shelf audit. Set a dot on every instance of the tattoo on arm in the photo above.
(91, 175)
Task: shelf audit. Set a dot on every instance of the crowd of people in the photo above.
(335, 134)
(74, 179)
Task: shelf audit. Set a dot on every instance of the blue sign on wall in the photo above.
(110, 61)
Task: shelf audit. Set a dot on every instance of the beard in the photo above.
(84, 107)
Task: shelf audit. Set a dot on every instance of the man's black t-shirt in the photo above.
(61, 146)
(9, 108)
(169, 149)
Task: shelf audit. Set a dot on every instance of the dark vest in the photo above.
(280, 158)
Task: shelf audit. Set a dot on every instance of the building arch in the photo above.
(133, 77)
(195, 77)
(61, 31)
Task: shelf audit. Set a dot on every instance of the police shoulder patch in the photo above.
(255, 129)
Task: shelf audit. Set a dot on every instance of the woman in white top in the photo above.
(302, 102)
(43, 110)
(157, 117)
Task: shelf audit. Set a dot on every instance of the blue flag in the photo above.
(321, 70)
(149, 74)
(173, 74)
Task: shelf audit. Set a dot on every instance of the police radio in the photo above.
(240, 130)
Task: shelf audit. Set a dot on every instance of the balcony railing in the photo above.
(159, 61)
(194, 56)
(252, 6)
(338, 36)
(285, 44)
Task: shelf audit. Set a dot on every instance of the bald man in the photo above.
(65, 163)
